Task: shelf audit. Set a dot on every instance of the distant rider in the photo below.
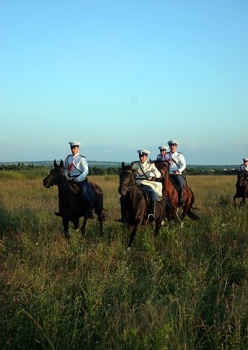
(177, 165)
(162, 155)
(244, 166)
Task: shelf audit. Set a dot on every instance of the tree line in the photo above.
(115, 170)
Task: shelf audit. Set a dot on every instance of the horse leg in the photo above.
(98, 207)
(83, 226)
(66, 227)
(76, 223)
(234, 200)
(132, 235)
(242, 202)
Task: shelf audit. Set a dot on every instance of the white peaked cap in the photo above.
(173, 142)
(74, 143)
(163, 147)
(141, 151)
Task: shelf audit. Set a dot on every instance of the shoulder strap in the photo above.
(143, 172)
(173, 159)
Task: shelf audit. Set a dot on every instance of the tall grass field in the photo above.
(185, 289)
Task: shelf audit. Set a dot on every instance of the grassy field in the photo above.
(187, 289)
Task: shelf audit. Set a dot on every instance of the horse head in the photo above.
(55, 175)
(163, 167)
(127, 179)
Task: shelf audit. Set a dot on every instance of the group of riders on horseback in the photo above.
(147, 176)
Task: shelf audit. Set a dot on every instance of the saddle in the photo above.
(146, 196)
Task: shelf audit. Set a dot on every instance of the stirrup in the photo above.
(151, 217)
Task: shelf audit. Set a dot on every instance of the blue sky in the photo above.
(123, 75)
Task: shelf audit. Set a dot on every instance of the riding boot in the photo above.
(90, 210)
(180, 197)
(152, 211)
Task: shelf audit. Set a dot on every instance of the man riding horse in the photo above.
(177, 165)
(244, 166)
(145, 174)
(76, 168)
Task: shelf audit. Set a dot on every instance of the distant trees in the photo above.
(115, 170)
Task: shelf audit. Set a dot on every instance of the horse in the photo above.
(136, 203)
(241, 188)
(71, 205)
(171, 194)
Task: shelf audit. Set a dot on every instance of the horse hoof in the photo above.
(128, 250)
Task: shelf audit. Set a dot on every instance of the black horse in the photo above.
(241, 188)
(71, 205)
(136, 204)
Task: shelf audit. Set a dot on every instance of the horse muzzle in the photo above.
(122, 191)
(46, 183)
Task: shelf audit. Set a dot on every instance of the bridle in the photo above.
(129, 181)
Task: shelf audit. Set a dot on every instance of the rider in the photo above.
(244, 166)
(177, 165)
(76, 168)
(145, 175)
(161, 156)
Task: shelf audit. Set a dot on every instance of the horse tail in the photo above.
(190, 212)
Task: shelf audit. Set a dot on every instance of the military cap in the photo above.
(143, 152)
(163, 148)
(74, 144)
(173, 142)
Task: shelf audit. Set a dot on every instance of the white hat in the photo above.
(163, 147)
(245, 159)
(143, 151)
(173, 142)
(74, 143)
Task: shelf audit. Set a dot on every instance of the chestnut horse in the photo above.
(136, 203)
(71, 205)
(241, 188)
(171, 194)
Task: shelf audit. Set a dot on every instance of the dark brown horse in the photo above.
(241, 188)
(171, 194)
(71, 205)
(136, 203)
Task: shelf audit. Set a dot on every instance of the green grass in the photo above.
(185, 289)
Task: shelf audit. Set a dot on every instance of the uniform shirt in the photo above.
(243, 167)
(160, 157)
(176, 162)
(145, 171)
(76, 167)
(144, 174)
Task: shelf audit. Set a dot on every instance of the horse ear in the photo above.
(61, 163)
(55, 163)
(122, 164)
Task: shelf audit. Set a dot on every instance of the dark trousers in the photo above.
(151, 193)
(86, 191)
(179, 180)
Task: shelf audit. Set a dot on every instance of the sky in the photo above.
(119, 76)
